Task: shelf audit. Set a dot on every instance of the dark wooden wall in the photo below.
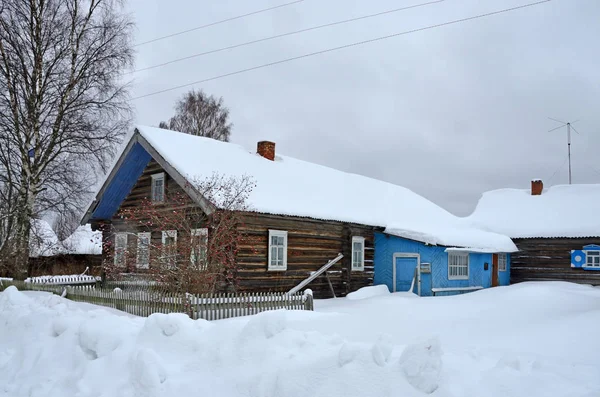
(65, 265)
(549, 259)
(141, 192)
(311, 244)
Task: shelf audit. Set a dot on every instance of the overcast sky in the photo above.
(449, 112)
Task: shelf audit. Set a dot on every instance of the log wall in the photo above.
(311, 244)
(549, 259)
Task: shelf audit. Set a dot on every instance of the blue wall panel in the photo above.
(386, 246)
(124, 180)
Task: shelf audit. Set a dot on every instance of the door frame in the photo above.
(406, 255)
(495, 271)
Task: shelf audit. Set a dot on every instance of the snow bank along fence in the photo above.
(147, 302)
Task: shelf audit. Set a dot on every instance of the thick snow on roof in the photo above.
(560, 211)
(83, 241)
(44, 242)
(288, 186)
(42, 239)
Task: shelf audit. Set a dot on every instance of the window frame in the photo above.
(139, 264)
(169, 234)
(595, 254)
(122, 255)
(458, 254)
(500, 267)
(158, 176)
(277, 233)
(201, 232)
(361, 267)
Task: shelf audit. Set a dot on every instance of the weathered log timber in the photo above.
(549, 259)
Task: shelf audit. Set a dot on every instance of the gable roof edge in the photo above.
(92, 207)
(198, 198)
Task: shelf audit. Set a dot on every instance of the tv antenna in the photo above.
(569, 125)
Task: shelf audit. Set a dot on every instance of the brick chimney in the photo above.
(536, 187)
(266, 149)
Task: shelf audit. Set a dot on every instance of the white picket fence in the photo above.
(205, 306)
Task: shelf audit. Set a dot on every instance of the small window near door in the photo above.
(158, 188)
(502, 262)
(358, 253)
(593, 259)
(277, 250)
(458, 265)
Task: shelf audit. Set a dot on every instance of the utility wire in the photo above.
(218, 22)
(558, 169)
(266, 65)
(231, 47)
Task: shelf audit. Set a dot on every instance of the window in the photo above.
(199, 243)
(501, 262)
(458, 265)
(169, 242)
(358, 253)
(120, 248)
(158, 187)
(277, 250)
(593, 259)
(143, 250)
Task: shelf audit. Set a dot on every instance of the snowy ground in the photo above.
(533, 339)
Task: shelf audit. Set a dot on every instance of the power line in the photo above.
(558, 169)
(266, 65)
(231, 47)
(219, 22)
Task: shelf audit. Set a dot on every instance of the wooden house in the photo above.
(50, 256)
(556, 230)
(300, 216)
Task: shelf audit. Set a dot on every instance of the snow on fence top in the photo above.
(61, 280)
(560, 211)
(287, 186)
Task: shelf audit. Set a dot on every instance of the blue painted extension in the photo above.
(124, 180)
(386, 246)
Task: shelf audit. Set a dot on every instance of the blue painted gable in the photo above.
(388, 249)
(123, 181)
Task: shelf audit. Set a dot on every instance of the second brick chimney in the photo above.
(266, 149)
(536, 187)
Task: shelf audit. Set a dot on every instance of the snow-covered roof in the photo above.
(83, 241)
(288, 186)
(560, 211)
(44, 242)
(42, 239)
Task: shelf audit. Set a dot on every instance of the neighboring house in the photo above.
(301, 214)
(446, 257)
(50, 256)
(557, 230)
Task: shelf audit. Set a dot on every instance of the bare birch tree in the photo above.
(197, 113)
(62, 108)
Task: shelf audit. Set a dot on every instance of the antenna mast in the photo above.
(568, 124)
(569, 145)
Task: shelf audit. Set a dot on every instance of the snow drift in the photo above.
(388, 345)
